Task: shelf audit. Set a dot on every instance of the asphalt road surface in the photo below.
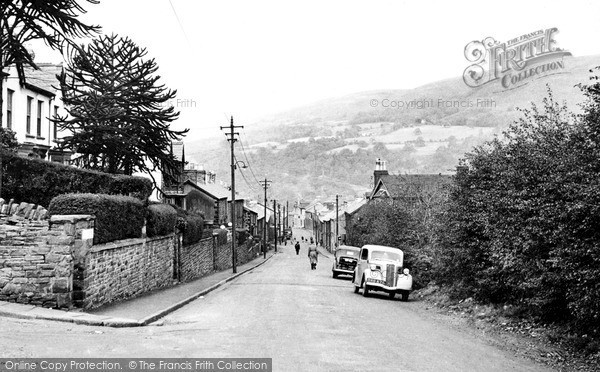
(305, 320)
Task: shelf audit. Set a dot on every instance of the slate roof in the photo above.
(399, 185)
(43, 80)
(214, 190)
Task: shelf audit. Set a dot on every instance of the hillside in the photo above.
(330, 146)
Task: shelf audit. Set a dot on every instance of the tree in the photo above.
(8, 140)
(522, 221)
(21, 21)
(119, 115)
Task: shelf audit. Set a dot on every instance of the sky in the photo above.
(250, 59)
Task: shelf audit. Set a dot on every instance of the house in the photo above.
(409, 189)
(261, 228)
(339, 222)
(195, 189)
(29, 107)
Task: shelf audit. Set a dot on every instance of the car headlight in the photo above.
(373, 267)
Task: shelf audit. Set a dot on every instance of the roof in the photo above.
(354, 206)
(398, 185)
(256, 208)
(42, 80)
(214, 190)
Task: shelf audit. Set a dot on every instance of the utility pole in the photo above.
(265, 184)
(231, 138)
(275, 222)
(337, 209)
(280, 220)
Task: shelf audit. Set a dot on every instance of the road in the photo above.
(305, 320)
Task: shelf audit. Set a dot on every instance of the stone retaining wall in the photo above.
(37, 260)
(55, 264)
(127, 268)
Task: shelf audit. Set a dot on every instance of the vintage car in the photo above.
(380, 268)
(344, 260)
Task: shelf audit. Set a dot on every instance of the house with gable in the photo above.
(28, 107)
(409, 189)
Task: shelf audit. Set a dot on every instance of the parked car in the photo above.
(381, 268)
(344, 260)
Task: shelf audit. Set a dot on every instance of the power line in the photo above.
(248, 161)
(245, 156)
(179, 22)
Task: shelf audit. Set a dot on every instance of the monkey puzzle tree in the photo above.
(21, 21)
(119, 115)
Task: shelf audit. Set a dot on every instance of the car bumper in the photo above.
(402, 285)
(343, 271)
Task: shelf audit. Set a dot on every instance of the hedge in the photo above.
(191, 225)
(160, 220)
(38, 181)
(117, 217)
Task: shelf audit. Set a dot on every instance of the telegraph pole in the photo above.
(231, 138)
(337, 210)
(275, 222)
(265, 184)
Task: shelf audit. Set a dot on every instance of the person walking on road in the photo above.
(313, 256)
(297, 246)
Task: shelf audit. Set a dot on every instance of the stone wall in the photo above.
(55, 264)
(206, 256)
(197, 260)
(37, 260)
(126, 268)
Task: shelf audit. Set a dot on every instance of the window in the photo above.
(55, 129)
(29, 103)
(40, 107)
(364, 255)
(9, 108)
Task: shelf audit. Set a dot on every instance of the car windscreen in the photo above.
(347, 252)
(383, 255)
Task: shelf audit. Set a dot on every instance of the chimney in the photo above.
(380, 171)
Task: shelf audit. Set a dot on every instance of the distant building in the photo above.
(29, 107)
(406, 188)
(195, 190)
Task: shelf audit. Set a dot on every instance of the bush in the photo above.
(191, 225)
(160, 220)
(221, 236)
(38, 181)
(117, 217)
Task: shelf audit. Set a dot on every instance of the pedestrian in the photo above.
(313, 256)
(297, 246)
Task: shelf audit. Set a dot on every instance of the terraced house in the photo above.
(28, 108)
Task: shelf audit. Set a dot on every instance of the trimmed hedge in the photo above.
(117, 217)
(38, 181)
(160, 220)
(193, 229)
(191, 225)
(221, 236)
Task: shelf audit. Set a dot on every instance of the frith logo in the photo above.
(514, 62)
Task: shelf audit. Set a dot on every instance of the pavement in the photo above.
(139, 311)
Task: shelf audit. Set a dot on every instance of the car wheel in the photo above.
(365, 289)
(392, 294)
(405, 296)
(335, 275)
(356, 288)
